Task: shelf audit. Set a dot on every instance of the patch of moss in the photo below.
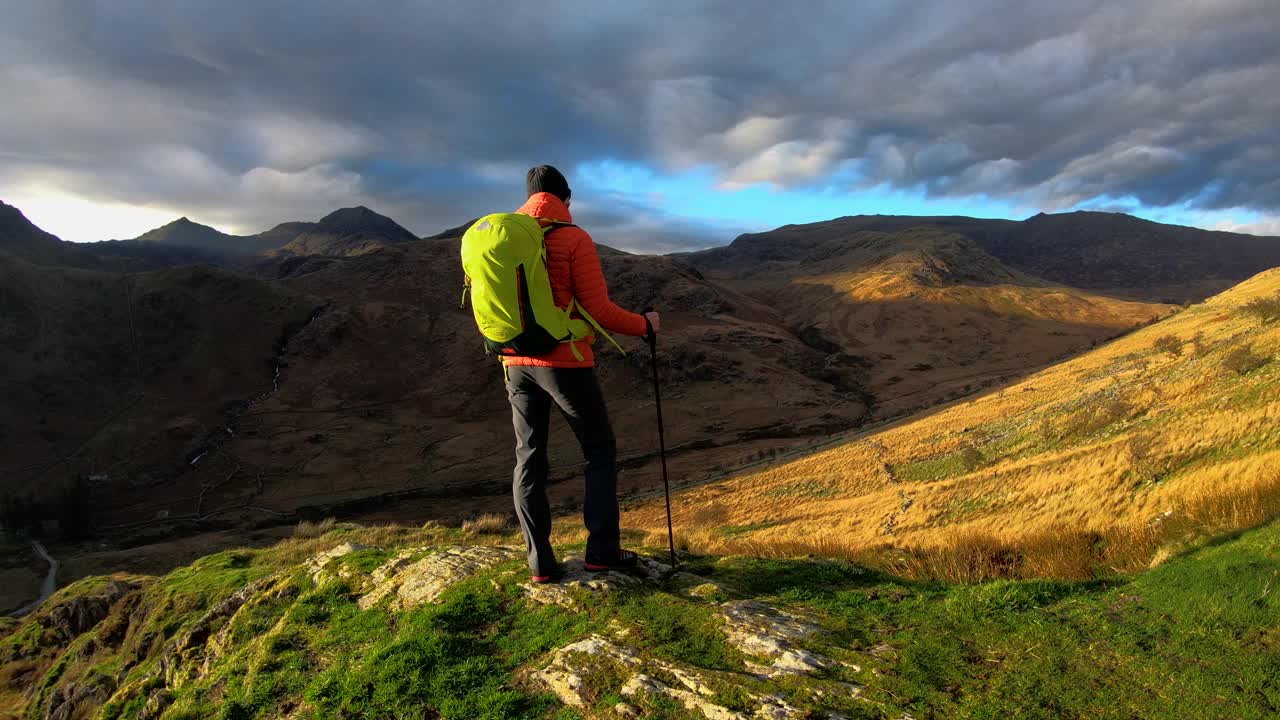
(676, 629)
(811, 488)
(932, 469)
(25, 641)
(366, 561)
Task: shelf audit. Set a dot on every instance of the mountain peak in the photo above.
(357, 212)
(362, 220)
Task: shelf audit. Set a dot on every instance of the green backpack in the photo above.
(504, 260)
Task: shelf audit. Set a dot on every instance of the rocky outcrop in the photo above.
(317, 566)
(70, 618)
(753, 628)
(410, 584)
(187, 652)
(577, 580)
(163, 663)
(693, 688)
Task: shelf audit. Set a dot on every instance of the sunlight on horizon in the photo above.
(685, 196)
(77, 219)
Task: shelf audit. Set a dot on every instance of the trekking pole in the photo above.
(652, 337)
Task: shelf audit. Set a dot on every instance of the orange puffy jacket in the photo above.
(575, 272)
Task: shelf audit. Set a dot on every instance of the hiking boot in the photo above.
(617, 560)
(552, 579)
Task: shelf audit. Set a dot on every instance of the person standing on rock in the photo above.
(566, 378)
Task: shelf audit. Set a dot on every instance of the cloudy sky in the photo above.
(679, 124)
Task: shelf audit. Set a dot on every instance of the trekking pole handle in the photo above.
(649, 334)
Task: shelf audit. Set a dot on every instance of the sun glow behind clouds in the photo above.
(81, 220)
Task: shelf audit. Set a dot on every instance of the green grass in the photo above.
(967, 508)
(366, 561)
(1198, 637)
(1207, 626)
(675, 629)
(454, 660)
(811, 489)
(24, 642)
(932, 469)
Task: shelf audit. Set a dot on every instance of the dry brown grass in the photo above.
(307, 529)
(1099, 464)
(971, 555)
(487, 524)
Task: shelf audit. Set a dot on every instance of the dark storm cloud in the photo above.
(250, 113)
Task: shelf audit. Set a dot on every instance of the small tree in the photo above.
(1243, 360)
(1115, 410)
(1198, 345)
(1266, 309)
(1169, 344)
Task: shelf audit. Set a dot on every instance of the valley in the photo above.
(335, 376)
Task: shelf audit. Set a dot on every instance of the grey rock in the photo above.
(316, 566)
(423, 581)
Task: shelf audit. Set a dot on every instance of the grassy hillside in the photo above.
(1090, 464)
(372, 623)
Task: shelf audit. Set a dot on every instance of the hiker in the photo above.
(563, 376)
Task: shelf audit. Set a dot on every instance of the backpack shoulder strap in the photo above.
(553, 226)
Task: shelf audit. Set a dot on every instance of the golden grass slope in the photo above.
(1114, 448)
(934, 317)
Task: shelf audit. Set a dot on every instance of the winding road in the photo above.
(50, 580)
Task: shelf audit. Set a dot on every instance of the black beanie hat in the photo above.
(545, 178)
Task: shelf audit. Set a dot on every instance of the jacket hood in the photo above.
(546, 206)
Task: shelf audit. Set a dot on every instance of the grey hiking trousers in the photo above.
(532, 391)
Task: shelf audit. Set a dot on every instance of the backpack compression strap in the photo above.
(573, 305)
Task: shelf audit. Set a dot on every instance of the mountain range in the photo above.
(201, 381)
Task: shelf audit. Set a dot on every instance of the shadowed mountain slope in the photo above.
(184, 233)
(1111, 253)
(384, 402)
(349, 231)
(1138, 258)
(928, 312)
(389, 390)
(122, 377)
(19, 237)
